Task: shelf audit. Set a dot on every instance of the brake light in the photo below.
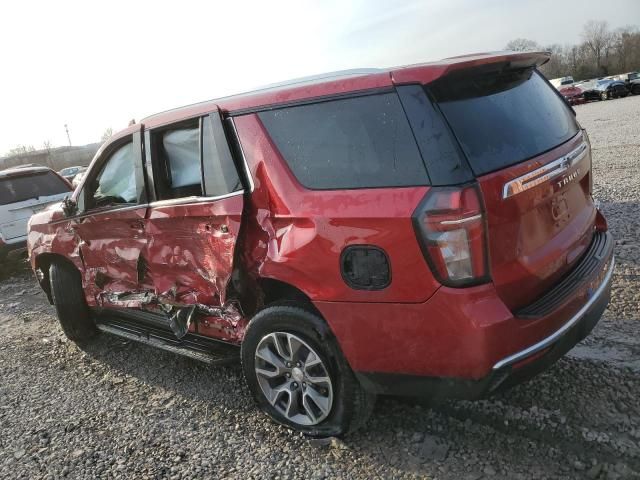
(450, 227)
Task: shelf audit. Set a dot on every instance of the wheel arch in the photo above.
(275, 291)
(42, 264)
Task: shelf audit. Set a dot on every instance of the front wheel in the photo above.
(604, 96)
(71, 307)
(298, 375)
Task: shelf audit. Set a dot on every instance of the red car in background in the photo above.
(574, 95)
(425, 230)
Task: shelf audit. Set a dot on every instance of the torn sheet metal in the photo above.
(227, 321)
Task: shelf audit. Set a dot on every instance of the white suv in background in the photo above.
(23, 192)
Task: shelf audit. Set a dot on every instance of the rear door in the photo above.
(110, 223)
(533, 164)
(193, 225)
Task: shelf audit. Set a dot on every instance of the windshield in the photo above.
(24, 187)
(503, 119)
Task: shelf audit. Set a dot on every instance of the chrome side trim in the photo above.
(461, 220)
(188, 200)
(541, 345)
(94, 213)
(244, 159)
(544, 173)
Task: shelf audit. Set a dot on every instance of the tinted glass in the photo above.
(445, 161)
(361, 142)
(504, 119)
(26, 187)
(116, 183)
(221, 176)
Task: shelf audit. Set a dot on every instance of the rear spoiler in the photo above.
(486, 62)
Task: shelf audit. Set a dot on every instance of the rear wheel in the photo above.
(298, 376)
(71, 307)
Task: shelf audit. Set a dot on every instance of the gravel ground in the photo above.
(123, 410)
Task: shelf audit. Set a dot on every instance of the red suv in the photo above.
(423, 230)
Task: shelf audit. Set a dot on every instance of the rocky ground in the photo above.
(122, 410)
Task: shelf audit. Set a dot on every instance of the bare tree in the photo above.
(21, 150)
(107, 134)
(46, 145)
(522, 45)
(598, 38)
(626, 48)
(601, 52)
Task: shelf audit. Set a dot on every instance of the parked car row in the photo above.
(618, 86)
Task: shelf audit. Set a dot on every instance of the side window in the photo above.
(116, 182)
(220, 173)
(193, 159)
(361, 142)
(177, 162)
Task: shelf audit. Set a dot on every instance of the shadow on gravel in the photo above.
(13, 266)
(578, 408)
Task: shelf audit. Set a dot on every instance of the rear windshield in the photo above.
(361, 142)
(25, 187)
(501, 120)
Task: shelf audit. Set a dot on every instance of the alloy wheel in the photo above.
(293, 378)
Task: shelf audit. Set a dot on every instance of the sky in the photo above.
(96, 65)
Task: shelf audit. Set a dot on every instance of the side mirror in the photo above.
(69, 206)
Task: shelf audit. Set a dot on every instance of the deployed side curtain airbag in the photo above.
(183, 154)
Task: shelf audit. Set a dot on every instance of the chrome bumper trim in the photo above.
(541, 345)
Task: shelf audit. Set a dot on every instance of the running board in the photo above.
(196, 347)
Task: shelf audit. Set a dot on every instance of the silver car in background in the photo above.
(23, 192)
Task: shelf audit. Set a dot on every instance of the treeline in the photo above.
(602, 52)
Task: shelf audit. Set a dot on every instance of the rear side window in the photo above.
(177, 161)
(182, 150)
(501, 120)
(361, 142)
(26, 187)
(193, 159)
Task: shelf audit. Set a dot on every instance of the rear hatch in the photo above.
(22, 195)
(533, 166)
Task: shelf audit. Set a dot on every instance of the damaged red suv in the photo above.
(425, 230)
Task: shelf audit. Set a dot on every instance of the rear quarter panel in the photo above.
(297, 235)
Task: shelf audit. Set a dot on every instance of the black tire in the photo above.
(71, 307)
(352, 405)
(604, 96)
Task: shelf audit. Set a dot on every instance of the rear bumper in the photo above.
(505, 373)
(466, 342)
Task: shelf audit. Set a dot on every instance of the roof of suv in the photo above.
(22, 171)
(343, 82)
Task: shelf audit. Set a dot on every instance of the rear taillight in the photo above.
(450, 226)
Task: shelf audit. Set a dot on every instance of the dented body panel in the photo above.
(204, 263)
(288, 226)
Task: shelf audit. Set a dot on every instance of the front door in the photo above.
(110, 223)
